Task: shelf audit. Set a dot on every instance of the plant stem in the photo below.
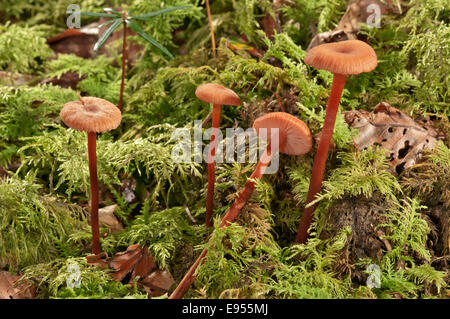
(320, 158)
(92, 141)
(211, 163)
(211, 28)
(228, 218)
(124, 59)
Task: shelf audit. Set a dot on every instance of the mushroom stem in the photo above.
(211, 28)
(228, 218)
(321, 155)
(124, 58)
(211, 162)
(92, 141)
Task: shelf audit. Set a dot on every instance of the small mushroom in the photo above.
(294, 138)
(92, 115)
(342, 59)
(218, 95)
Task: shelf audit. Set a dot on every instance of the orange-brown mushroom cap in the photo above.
(294, 136)
(217, 94)
(91, 115)
(345, 57)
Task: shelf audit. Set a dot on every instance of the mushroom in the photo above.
(294, 138)
(218, 95)
(92, 115)
(342, 59)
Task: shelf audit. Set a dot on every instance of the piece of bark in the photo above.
(9, 289)
(387, 127)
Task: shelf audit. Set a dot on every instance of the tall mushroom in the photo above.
(294, 138)
(218, 95)
(92, 115)
(342, 59)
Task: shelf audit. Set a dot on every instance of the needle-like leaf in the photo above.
(141, 32)
(107, 33)
(111, 10)
(99, 15)
(147, 16)
(106, 23)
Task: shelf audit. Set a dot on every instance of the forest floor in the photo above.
(381, 228)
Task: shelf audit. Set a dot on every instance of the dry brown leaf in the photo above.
(98, 260)
(140, 263)
(8, 289)
(107, 218)
(157, 283)
(145, 265)
(358, 12)
(124, 262)
(389, 128)
(328, 37)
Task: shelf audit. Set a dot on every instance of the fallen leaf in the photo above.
(389, 128)
(98, 260)
(157, 283)
(8, 289)
(328, 37)
(124, 262)
(108, 219)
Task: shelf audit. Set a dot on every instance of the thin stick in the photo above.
(124, 58)
(211, 28)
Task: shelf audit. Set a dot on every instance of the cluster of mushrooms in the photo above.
(94, 115)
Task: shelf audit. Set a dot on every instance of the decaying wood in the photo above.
(387, 127)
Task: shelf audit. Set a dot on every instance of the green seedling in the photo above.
(125, 18)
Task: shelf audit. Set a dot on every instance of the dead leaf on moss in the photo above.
(358, 12)
(8, 289)
(137, 262)
(157, 283)
(108, 219)
(389, 128)
(124, 262)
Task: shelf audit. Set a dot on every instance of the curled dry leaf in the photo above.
(9, 290)
(124, 262)
(389, 128)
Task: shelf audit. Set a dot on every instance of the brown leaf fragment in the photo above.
(9, 289)
(98, 260)
(328, 37)
(157, 283)
(145, 265)
(124, 262)
(108, 219)
(387, 127)
(74, 41)
(358, 12)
